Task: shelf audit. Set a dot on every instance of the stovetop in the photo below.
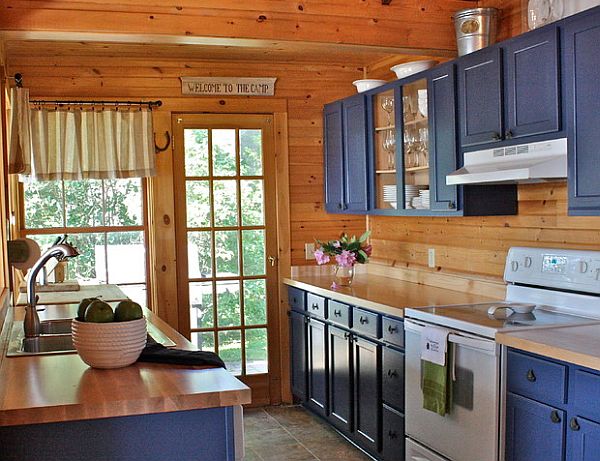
(474, 318)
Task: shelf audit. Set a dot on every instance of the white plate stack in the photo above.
(390, 194)
(411, 192)
(424, 196)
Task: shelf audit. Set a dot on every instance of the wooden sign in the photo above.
(228, 86)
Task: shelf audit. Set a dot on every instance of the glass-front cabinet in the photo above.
(401, 147)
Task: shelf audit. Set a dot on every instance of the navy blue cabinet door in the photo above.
(334, 157)
(581, 66)
(583, 440)
(442, 136)
(532, 84)
(534, 431)
(340, 378)
(480, 97)
(298, 354)
(355, 154)
(393, 378)
(367, 393)
(317, 366)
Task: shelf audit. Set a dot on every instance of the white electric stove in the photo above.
(546, 288)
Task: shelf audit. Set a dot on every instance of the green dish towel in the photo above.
(436, 384)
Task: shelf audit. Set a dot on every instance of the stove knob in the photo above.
(514, 265)
(598, 273)
(583, 267)
(527, 261)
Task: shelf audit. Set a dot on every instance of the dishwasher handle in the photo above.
(487, 346)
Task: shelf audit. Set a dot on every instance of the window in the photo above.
(105, 221)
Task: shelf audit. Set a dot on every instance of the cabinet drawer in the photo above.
(338, 313)
(393, 331)
(296, 299)
(315, 305)
(584, 392)
(366, 323)
(537, 378)
(392, 378)
(393, 434)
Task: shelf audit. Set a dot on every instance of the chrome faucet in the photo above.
(60, 250)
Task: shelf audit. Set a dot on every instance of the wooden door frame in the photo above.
(163, 273)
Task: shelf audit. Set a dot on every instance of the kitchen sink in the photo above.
(54, 327)
(47, 344)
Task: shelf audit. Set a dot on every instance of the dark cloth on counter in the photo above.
(157, 353)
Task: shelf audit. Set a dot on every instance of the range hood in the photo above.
(535, 162)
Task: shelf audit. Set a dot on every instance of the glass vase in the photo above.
(344, 275)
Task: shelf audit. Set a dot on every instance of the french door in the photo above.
(224, 171)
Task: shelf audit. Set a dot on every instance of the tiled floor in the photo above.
(290, 433)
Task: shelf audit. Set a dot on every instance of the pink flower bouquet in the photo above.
(346, 251)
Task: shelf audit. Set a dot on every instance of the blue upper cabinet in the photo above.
(581, 74)
(480, 96)
(345, 140)
(532, 90)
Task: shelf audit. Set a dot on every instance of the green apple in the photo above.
(99, 312)
(83, 305)
(128, 310)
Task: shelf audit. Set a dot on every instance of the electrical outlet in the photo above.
(309, 251)
(431, 257)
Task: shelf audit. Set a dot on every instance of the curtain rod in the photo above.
(150, 104)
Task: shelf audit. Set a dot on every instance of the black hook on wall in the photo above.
(19, 80)
(158, 148)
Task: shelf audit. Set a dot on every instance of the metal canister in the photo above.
(475, 29)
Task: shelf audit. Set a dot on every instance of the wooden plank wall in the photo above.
(478, 245)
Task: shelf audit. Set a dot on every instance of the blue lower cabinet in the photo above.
(583, 439)
(392, 435)
(340, 378)
(392, 376)
(317, 366)
(367, 393)
(534, 431)
(298, 355)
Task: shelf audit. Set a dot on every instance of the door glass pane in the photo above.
(253, 246)
(252, 202)
(415, 145)
(230, 350)
(251, 152)
(196, 152)
(44, 204)
(227, 253)
(201, 305)
(45, 241)
(126, 257)
(223, 153)
(255, 302)
(89, 266)
(225, 197)
(197, 203)
(199, 254)
(256, 351)
(83, 203)
(123, 202)
(204, 340)
(384, 145)
(137, 293)
(228, 303)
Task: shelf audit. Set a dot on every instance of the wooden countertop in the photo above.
(575, 344)
(381, 294)
(106, 292)
(55, 388)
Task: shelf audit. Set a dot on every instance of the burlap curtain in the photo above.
(50, 143)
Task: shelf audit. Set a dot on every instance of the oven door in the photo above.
(470, 432)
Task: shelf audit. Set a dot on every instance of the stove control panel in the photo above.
(555, 268)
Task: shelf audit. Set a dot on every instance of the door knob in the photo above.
(272, 260)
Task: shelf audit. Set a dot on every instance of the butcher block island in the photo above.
(55, 407)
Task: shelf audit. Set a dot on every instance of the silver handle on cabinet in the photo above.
(554, 416)
(363, 320)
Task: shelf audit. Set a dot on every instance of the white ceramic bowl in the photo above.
(109, 345)
(367, 84)
(409, 68)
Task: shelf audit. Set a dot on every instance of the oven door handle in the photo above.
(487, 346)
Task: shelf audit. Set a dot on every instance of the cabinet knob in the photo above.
(451, 205)
(392, 329)
(392, 373)
(531, 376)
(508, 134)
(314, 306)
(340, 206)
(392, 434)
(554, 416)
(574, 424)
(347, 335)
(337, 312)
(363, 320)
(345, 206)
(496, 137)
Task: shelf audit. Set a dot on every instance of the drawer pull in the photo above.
(337, 312)
(531, 376)
(554, 416)
(574, 424)
(315, 306)
(363, 320)
(392, 329)
(347, 335)
(392, 373)
(392, 434)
